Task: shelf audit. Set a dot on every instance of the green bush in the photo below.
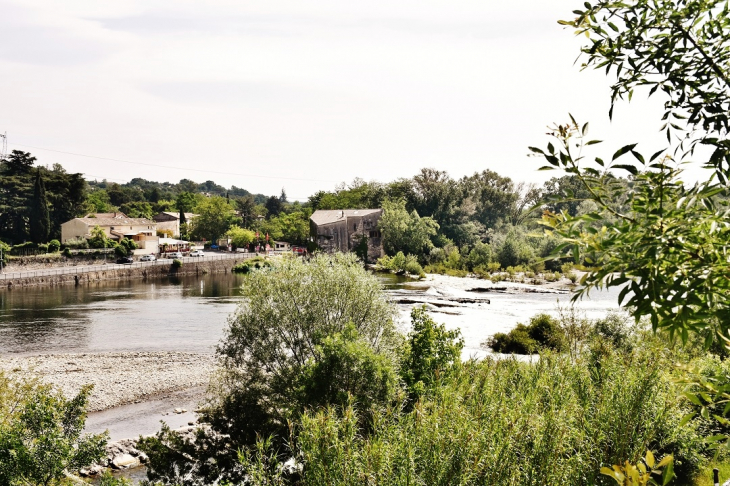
(251, 264)
(54, 246)
(430, 353)
(67, 252)
(348, 370)
(543, 332)
(401, 263)
(479, 256)
(502, 422)
(177, 263)
(41, 433)
(77, 243)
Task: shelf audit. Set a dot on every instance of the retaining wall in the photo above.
(120, 272)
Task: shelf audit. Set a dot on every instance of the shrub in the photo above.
(562, 419)
(480, 255)
(42, 248)
(41, 433)
(348, 370)
(54, 246)
(430, 353)
(77, 243)
(67, 252)
(543, 332)
(270, 343)
(177, 263)
(401, 263)
(251, 264)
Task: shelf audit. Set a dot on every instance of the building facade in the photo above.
(344, 229)
(169, 221)
(143, 231)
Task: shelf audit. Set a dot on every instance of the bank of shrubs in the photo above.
(307, 396)
(402, 264)
(251, 264)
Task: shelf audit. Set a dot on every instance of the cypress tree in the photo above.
(40, 222)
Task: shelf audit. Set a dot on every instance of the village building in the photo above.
(170, 221)
(141, 230)
(344, 229)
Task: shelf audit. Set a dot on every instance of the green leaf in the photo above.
(623, 150)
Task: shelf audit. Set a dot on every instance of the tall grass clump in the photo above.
(555, 421)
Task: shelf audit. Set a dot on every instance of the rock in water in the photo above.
(124, 461)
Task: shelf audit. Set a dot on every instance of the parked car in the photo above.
(125, 260)
(197, 253)
(176, 254)
(147, 258)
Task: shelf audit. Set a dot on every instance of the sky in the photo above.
(299, 95)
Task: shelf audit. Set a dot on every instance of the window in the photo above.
(375, 234)
(354, 227)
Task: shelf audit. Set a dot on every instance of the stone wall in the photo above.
(120, 272)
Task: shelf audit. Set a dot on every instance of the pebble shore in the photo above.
(118, 378)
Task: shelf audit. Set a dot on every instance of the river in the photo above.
(189, 313)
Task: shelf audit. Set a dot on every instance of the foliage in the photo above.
(347, 370)
(65, 195)
(215, 217)
(251, 264)
(543, 332)
(98, 238)
(54, 246)
(270, 342)
(138, 209)
(177, 263)
(240, 237)
(429, 354)
(404, 231)
(41, 433)
(401, 263)
(641, 473)
(39, 216)
(677, 48)
(561, 417)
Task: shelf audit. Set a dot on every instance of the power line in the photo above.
(169, 166)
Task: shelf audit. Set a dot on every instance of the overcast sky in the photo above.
(298, 94)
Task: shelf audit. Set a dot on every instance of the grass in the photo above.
(704, 476)
(552, 422)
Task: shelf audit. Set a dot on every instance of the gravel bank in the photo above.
(118, 378)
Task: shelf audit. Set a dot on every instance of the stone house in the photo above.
(168, 220)
(343, 230)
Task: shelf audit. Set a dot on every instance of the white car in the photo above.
(197, 253)
(176, 254)
(147, 258)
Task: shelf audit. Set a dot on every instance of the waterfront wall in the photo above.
(191, 266)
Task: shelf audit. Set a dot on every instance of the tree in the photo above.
(274, 206)
(98, 238)
(138, 209)
(675, 47)
(406, 232)
(668, 248)
(39, 220)
(186, 202)
(278, 347)
(430, 353)
(240, 237)
(41, 433)
(214, 218)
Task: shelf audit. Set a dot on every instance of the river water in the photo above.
(190, 313)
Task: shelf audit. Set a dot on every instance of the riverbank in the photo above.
(83, 274)
(118, 378)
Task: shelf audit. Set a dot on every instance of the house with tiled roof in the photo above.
(344, 229)
(170, 221)
(142, 230)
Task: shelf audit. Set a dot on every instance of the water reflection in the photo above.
(190, 314)
(163, 314)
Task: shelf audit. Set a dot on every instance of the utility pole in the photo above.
(4, 145)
